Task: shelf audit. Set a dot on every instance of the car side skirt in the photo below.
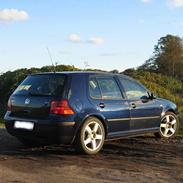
(121, 134)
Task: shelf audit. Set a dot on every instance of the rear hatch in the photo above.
(33, 96)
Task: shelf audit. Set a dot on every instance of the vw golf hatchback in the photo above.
(85, 109)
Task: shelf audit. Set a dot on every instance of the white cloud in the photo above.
(96, 40)
(74, 38)
(176, 3)
(146, 1)
(11, 15)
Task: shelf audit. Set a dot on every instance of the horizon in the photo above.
(79, 69)
(104, 35)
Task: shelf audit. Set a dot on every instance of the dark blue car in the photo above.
(85, 109)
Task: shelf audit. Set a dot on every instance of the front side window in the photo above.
(133, 89)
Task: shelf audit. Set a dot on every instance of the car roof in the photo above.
(85, 73)
(72, 72)
(78, 72)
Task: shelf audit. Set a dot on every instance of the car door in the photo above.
(106, 95)
(145, 112)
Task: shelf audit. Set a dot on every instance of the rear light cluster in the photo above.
(61, 108)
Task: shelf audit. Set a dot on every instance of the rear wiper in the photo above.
(39, 94)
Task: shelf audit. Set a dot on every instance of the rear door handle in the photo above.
(133, 105)
(101, 105)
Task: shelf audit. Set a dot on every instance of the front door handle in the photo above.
(133, 105)
(101, 105)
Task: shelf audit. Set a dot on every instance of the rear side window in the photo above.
(104, 88)
(94, 89)
(42, 85)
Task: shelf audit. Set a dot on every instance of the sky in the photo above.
(100, 34)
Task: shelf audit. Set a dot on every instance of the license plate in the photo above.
(24, 125)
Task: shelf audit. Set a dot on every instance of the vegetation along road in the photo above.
(128, 160)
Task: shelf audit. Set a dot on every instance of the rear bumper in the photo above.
(50, 130)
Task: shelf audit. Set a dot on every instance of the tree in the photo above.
(115, 71)
(167, 57)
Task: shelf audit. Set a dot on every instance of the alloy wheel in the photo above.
(93, 136)
(168, 126)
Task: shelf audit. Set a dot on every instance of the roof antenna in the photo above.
(86, 65)
(49, 53)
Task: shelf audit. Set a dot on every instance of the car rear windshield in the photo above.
(41, 85)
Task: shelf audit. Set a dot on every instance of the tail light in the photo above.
(9, 105)
(61, 108)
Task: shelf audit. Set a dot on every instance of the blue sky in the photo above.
(107, 34)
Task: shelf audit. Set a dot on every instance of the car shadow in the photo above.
(9, 145)
(132, 147)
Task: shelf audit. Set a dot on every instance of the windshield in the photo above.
(41, 85)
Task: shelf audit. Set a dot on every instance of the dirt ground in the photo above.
(128, 160)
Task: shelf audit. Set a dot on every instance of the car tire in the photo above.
(91, 137)
(169, 126)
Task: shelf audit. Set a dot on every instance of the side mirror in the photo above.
(151, 96)
(145, 99)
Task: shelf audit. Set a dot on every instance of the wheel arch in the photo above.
(175, 111)
(103, 121)
(171, 110)
(99, 117)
